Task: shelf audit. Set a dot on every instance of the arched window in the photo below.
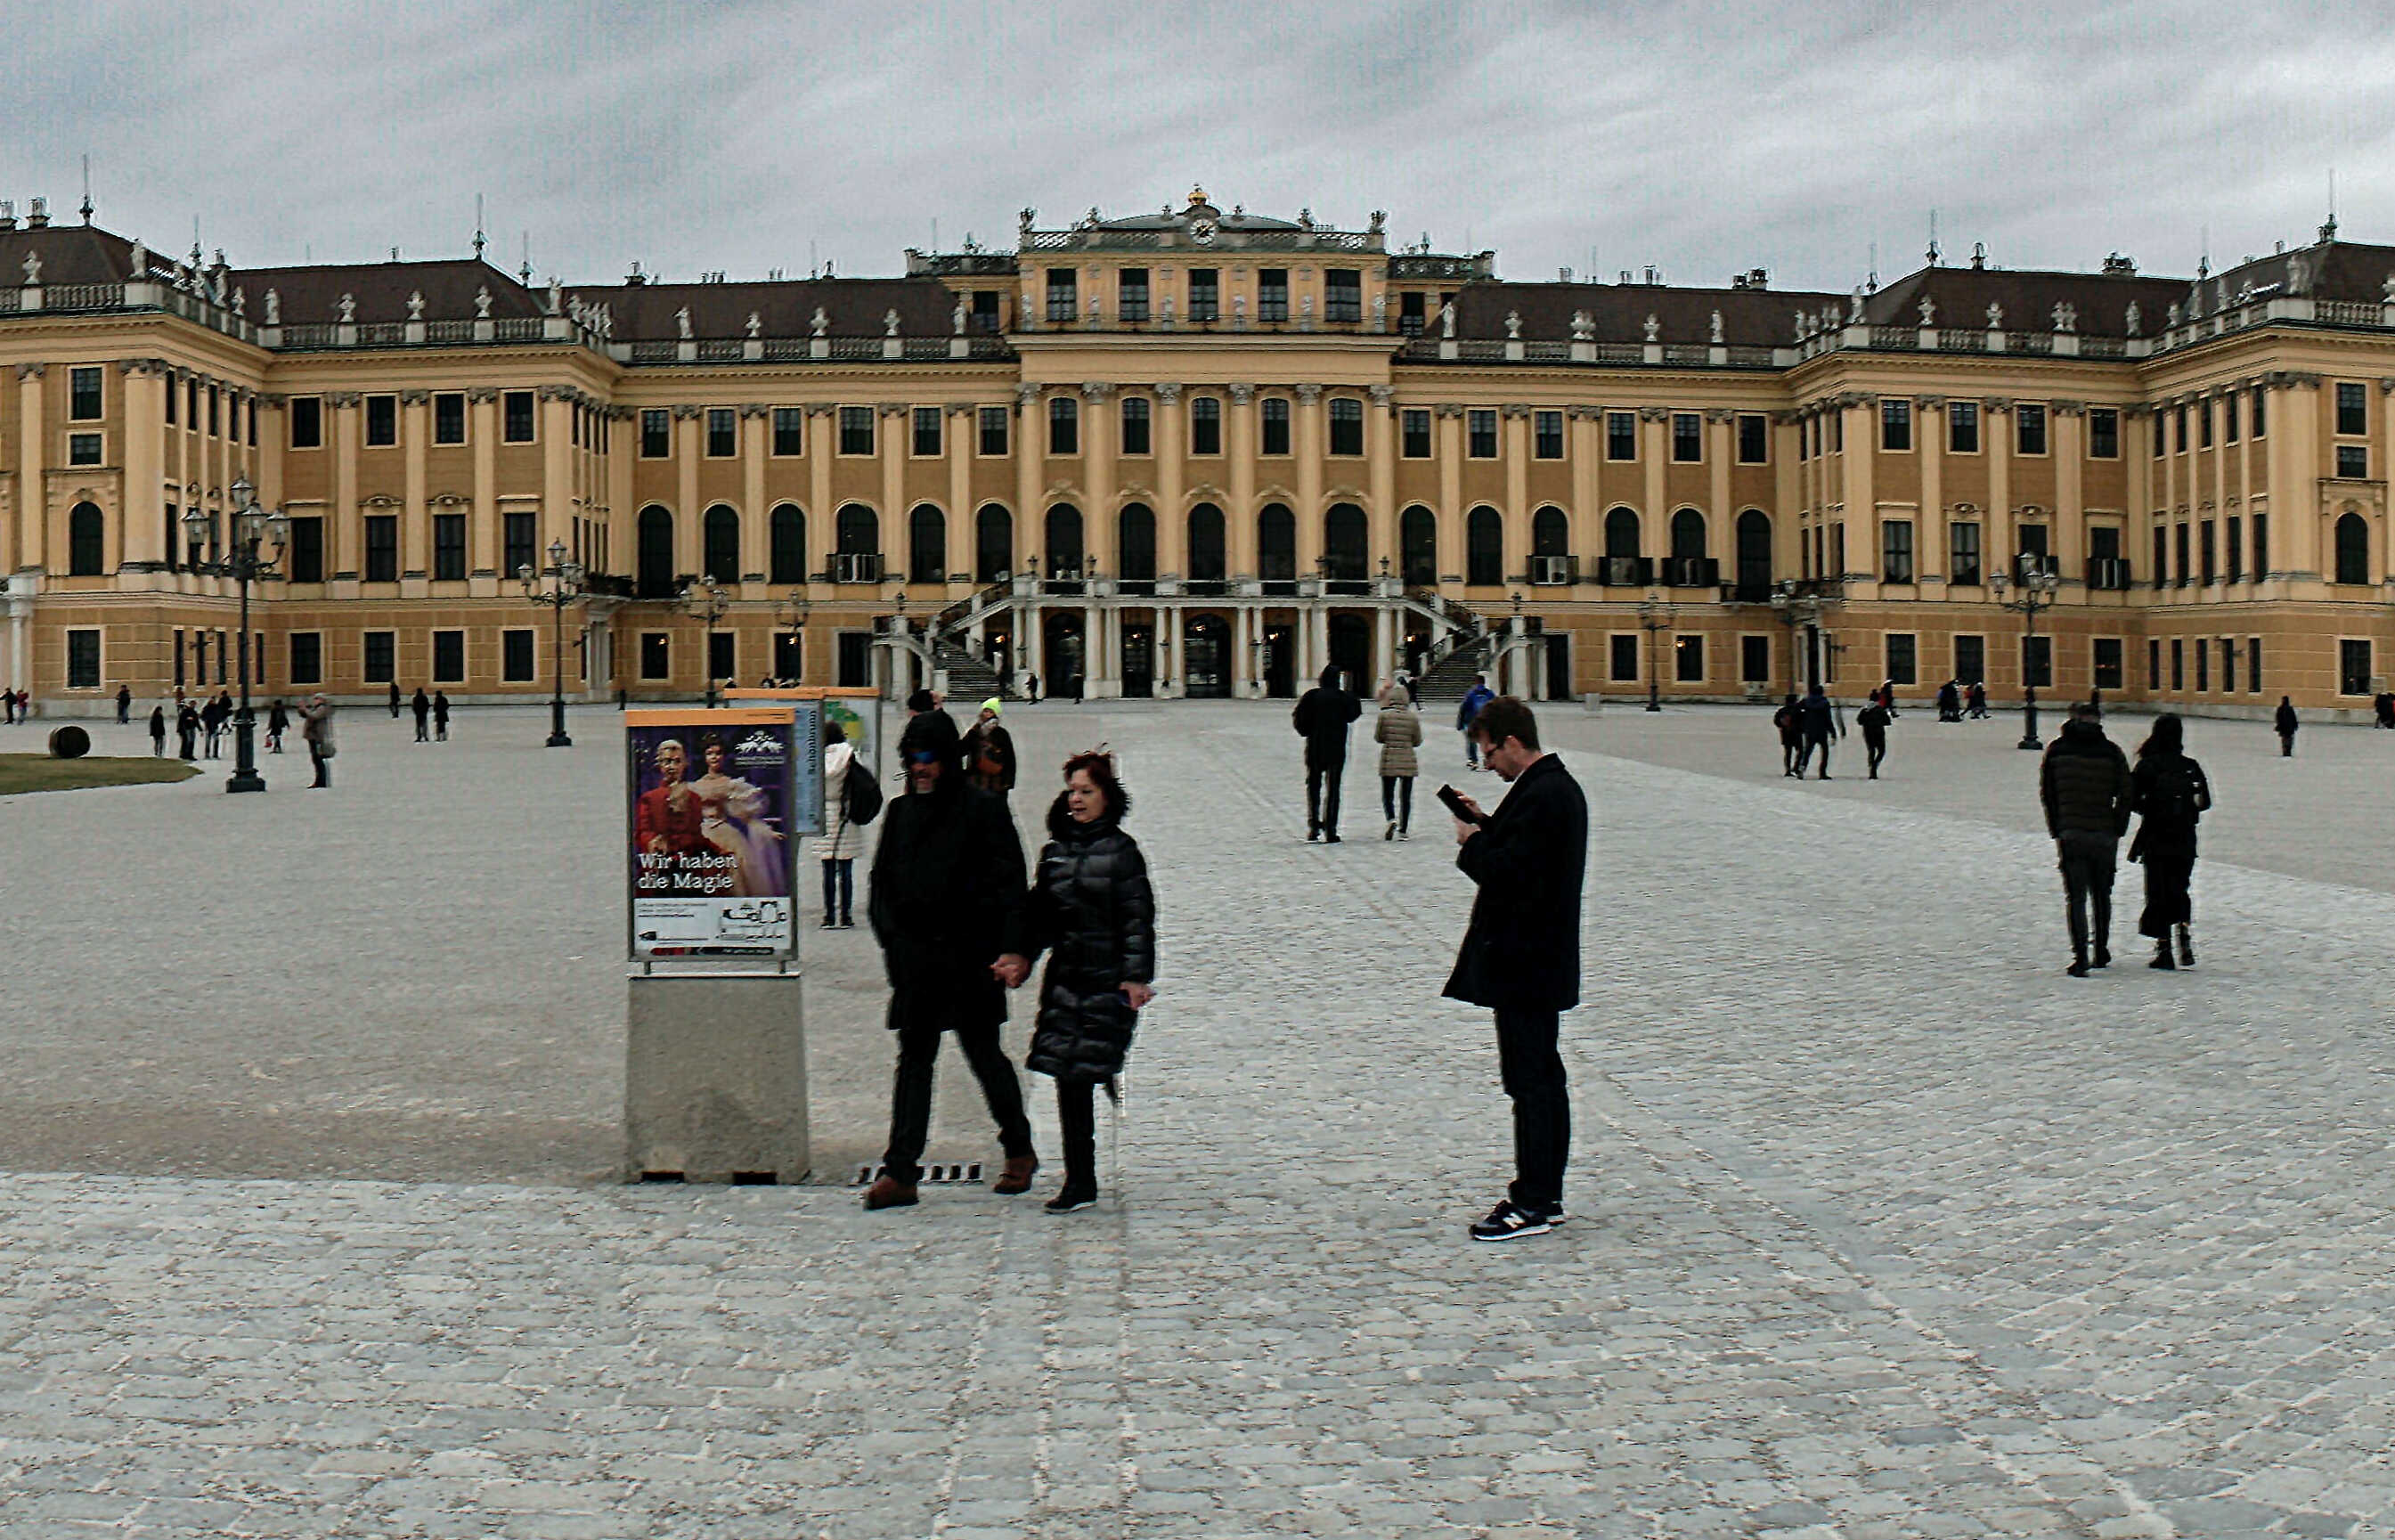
(656, 573)
(1549, 532)
(787, 531)
(1209, 562)
(1620, 532)
(1484, 548)
(1753, 556)
(1064, 426)
(1064, 542)
(1135, 531)
(927, 545)
(1277, 544)
(993, 543)
(858, 530)
(720, 530)
(2352, 549)
(1344, 542)
(1418, 546)
(1687, 536)
(87, 541)
(1346, 425)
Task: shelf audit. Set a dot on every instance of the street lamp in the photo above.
(1654, 615)
(1799, 602)
(565, 587)
(252, 526)
(2034, 590)
(703, 599)
(793, 614)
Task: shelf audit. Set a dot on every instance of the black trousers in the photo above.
(1805, 755)
(910, 1095)
(1322, 796)
(2286, 744)
(2087, 865)
(420, 736)
(1397, 799)
(839, 883)
(1076, 1119)
(1532, 1071)
(1875, 750)
(323, 767)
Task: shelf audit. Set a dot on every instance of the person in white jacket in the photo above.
(840, 840)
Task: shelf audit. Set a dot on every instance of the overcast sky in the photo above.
(1704, 139)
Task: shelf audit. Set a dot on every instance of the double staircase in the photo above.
(1449, 679)
(971, 681)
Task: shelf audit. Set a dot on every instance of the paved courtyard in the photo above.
(1880, 1226)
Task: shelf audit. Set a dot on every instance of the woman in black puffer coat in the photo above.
(1092, 911)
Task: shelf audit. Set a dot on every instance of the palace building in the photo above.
(1197, 453)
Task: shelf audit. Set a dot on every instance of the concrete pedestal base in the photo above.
(715, 1078)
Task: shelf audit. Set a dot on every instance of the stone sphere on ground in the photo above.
(70, 742)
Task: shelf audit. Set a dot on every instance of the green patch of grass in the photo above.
(40, 773)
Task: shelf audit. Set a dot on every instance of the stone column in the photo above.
(1587, 447)
(822, 443)
(2067, 442)
(1240, 517)
(1721, 518)
(756, 518)
(1171, 517)
(1030, 460)
(2295, 467)
(962, 527)
(344, 537)
(1100, 528)
(1312, 443)
(483, 431)
(689, 531)
(141, 522)
(1449, 447)
(556, 469)
(1654, 457)
(1932, 449)
(1861, 459)
(1514, 442)
(1996, 443)
(33, 489)
(1383, 645)
(894, 425)
(415, 524)
(1380, 503)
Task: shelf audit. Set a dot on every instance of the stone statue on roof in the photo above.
(1654, 329)
(1855, 307)
(1800, 325)
(1715, 332)
(415, 305)
(1584, 326)
(2134, 320)
(141, 262)
(556, 296)
(483, 303)
(1023, 220)
(241, 303)
(756, 325)
(890, 323)
(1928, 310)
(2174, 313)
(1512, 326)
(682, 322)
(349, 308)
(1446, 319)
(957, 315)
(274, 307)
(2387, 289)
(32, 268)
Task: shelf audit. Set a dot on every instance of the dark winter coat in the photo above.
(2169, 794)
(1474, 698)
(993, 740)
(1522, 948)
(1321, 719)
(1092, 911)
(946, 895)
(2084, 783)
(1814, 718)
(1873, 720)
(2285, 719)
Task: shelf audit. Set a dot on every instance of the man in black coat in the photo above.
(1817, 723)
(2284, 721)
(422, 706)
(1521, 952)
(2084, 784)
(1321, 719)
(946, 906)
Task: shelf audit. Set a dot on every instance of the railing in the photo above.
(2032, 342)
(654, 353)
(2103, 347)
(1686, 352)
(84, 296)
(449, 331)
(1626, 571)
(518, 328)
(309, 335)
(8, 301)
(2109, 574)
(1895, 337)
(382, 334)
(1963, 341)
(1554, 571)
(855, 567)
(718, 351)
(2348, 313)
(1691, 572)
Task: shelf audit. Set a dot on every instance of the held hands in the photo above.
(1465, 829)
(1012, 969)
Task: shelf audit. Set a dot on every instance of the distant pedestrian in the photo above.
(1398, 731)
(316, 731)
(2284, 719)
(1790, 721)
(394, 700)
(1092, 911)
(421, 705)
(2084, 786)
(1321, 718)
(1413, 682)
(1885, 696)
(440, 715)
(158, 730)
(1521, 952)
(278, 722)
(2383, 710)
(1817, 724)
(124, 704)
(1977, 695)
(187, 730)
(212, 719)
(1950, 702)
(2096, 704)
(2169, 793)
(1474, 698)
(851, 801)
(989, 751)
(1874, 719)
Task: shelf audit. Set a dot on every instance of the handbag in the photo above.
(860, 800)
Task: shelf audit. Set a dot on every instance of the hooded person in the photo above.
(1474, 698)
(2085, 785)
(989, 751)
(946, 904)
(1399, 732)
(1321, 719)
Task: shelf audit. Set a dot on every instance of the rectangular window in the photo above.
(2162, 555)
(1480, 431)
(307, 657)
(2204, 425)
(82, 660)
(306, 415)
(1621, 436)
(1963, 427)
(449, 547)
(2179, 429)
(1547, 435)
(2110, 673)
(449, 658)
(1346, 416)
(722, 432)
(1903, 658)
(382, 421)
(382, 548)
(2203, 666)
(1063, 295)
(1970, 660)
(308, 549)
(2178, 664)
(172, 397)
(216, 406)
(1205, 295)
(1131, 294)
(1272, 294)
(2162, 434)
(856, 430)
(1688, 660)
(724, 655)
(1064, 426)
(84, 449)
(1896, 424)
(1410, 314)
(1838, 551)
(1895, 551)
(379, 656)
(2180, 549)
(656, 434)
(516, 656)
(657, 655)
(985, 320)
(1343, 295)
(2227, 660)
(83, 393)
(1206, 426)
(1962, 553)
(191, 407)
(1415, 422)
(2028, 428)
(1272, 424)
(2352, 460)
(2037, 661)
(790, 431)
(2153, 664)
(1624, 657)
(2103, 433)
(2252, 665)
(1136, 418)
(1688, 438)
(516, 413)
(519, 530)
(2353, 665)
(2208, 552)
(2352, 410)
(449, 417)
(1754, 438)
(1754, 659)
(2229, 413)
(252, 414)
(2261, 546)
(2261, 411)
(926, 431)
(993, 430)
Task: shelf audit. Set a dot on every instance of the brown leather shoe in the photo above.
(890, 1193)
(1017, 1177)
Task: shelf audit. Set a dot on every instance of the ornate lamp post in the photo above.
(1799, 602)
(252, 527)
(2033, 590)
(1654, 615)
(564, 586)
(703, 599)
(793, 615)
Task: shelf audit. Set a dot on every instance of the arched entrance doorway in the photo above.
(1754, 578)
(1278, 664)
(1061, 643)
(655, 560)
(1206, 658)
(1351, 651)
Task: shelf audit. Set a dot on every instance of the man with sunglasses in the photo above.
(946, 906)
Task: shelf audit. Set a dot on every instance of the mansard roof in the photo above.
(851, 307)
(70, 254)
(382, 290)
(2329, 268)
(2097, 303)
(1617, 312)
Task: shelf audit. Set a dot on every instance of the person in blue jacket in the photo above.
(1476, 697)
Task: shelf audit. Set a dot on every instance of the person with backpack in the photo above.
(1950, 701)
(2169, 793)
(1874, 719)
(851, 801)
(1791, 738)
(989, 751)
(1474, 698)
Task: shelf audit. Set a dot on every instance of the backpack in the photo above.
(860, 799)
(2173, 800)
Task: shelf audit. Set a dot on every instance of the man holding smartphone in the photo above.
(1521, 952)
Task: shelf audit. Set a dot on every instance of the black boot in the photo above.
(2162, 956)
(2186, 948)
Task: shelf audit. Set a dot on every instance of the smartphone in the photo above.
(1455, 801)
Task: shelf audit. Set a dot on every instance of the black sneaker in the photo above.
(1070, 1199)
(1511, 1221)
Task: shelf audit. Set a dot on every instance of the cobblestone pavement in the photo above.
(1880, 1226)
